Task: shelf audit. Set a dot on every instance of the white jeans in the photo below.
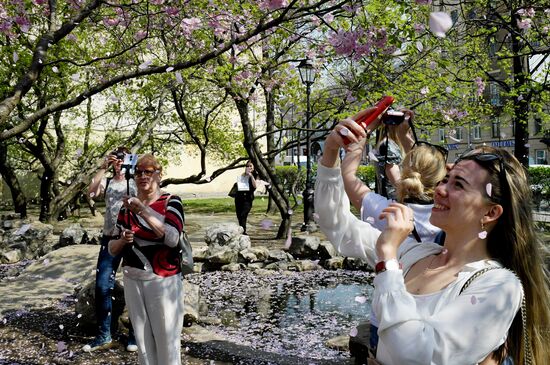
(156, 312)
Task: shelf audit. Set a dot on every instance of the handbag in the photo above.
(233, 192)
(185, 251)
(185, 254)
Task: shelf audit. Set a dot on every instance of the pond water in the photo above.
(286, 313)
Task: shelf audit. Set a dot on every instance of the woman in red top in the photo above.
(150, 227)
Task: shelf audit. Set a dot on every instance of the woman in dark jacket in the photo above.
(246, 184)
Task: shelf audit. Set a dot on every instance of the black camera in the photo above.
(393, 117)
(119, 155)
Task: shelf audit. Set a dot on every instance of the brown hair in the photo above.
(149, 159)
(514, 243)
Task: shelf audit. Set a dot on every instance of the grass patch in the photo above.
(220, 205)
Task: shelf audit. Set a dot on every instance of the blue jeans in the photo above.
(107, 267)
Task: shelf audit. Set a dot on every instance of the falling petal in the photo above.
(145, 65)
(61, 326)
(440, 23)
(290, 211)
(61, 346)
(527, 145)
(419, 46)
(370, 220)
(46, 262)
(489, 189)
(266, 223)
(448, 89)
(473, 300)
(55, 69)
(79, 315)
(179, 79)
(353, 332)
(361, 299)
(15, 57)
(169, 69)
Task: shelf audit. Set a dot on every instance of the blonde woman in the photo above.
(152, 223)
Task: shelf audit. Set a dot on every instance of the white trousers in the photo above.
(156, 312)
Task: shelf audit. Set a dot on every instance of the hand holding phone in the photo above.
(365, 120)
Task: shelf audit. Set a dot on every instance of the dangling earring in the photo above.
(483, 234)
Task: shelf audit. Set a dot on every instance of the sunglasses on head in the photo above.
(484, 157)
(441, 149)
(147, 172)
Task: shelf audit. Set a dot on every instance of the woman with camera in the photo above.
(151, 224)
(113, 189)
(423, 167)
(463, 302)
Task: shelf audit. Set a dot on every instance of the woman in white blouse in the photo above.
(484, 206)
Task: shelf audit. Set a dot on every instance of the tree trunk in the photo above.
(8, 173)
(263, 168)
(521, 104)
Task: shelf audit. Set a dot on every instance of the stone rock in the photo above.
(327, 251)
(200, 254)
(233, 267)
(33, 239)
(225, 255)
(73, 235)
(11, 257)
(254, 254)
(279, 255)
(304, 246)
(254, 266)
(352, 263)
(277, 266)
(191, 296)
(304, 265)
(221, 234)
(339, 343)
(334, 263)
(85, 303)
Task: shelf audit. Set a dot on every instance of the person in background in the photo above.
(460, 303)
(151, 224)
(246, 185)
(113, 189)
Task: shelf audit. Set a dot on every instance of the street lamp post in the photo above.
(307, 74)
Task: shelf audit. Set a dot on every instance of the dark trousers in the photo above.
(243, 204)
(107, 266)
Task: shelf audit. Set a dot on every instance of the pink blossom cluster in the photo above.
(188, 25)
(525, 21)
(453, 114)
(273, 4)
(358, 42)
(480, 85)
(17, 16)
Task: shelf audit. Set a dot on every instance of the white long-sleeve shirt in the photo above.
(439, 328)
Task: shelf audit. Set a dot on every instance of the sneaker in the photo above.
(98, 344)
(131, 346)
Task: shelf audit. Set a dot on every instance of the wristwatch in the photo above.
(390, 265)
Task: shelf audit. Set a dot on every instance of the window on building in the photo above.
(541, 157)
(476, 131)
(494, 94)
(441, 135)
(458, 133)
(495, 128)
(538, 125)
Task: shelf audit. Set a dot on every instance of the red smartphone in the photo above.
(381, 106)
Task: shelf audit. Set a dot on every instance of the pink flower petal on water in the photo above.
(353, 332)
(440, 23)
(361, 299)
